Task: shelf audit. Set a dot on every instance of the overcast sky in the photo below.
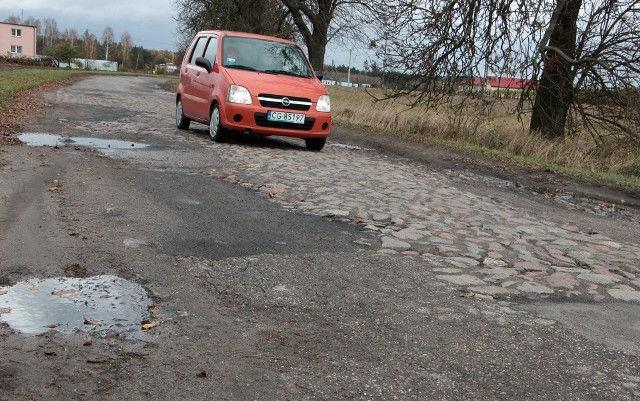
(149, 22)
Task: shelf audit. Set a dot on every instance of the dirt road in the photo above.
(261, 270)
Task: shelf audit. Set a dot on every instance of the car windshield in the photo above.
(264, 56)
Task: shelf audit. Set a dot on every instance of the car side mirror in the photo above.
(320, 76)
(204, 63)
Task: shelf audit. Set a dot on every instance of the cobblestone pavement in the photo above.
(480, 244)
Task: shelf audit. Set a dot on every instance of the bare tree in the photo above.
(107, 40)
(267, 17)
(51, 32)
(126, 42)
(89, 45)
(568, 49)
(316, 21)
(33, 22)
(13, 20)
(70, 35)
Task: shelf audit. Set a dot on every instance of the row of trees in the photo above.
(581, 56)
(69, 44)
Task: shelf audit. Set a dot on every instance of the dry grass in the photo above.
(499, 133)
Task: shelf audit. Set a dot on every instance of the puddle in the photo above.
(103, 145)
(100, 305)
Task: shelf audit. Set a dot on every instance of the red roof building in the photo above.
(497, 83)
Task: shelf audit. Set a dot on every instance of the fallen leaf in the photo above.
(467, 295)
(90, 321)
(155, 309)
(4, 311)
(64, 293)
(30, 285)
(52, 325)
(146, 325)
(3, 293)
(87, 341)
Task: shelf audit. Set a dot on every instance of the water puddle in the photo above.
(103, 145)
(100, 305)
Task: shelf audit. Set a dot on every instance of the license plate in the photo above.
(284, 117)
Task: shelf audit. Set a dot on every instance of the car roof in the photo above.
(245, 35)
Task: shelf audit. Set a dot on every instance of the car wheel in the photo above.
(182, 122)
(315, 144)
(216, 131)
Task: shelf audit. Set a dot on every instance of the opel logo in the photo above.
(286, 102)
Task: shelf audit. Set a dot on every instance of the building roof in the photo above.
(503, 83)
(9, 23)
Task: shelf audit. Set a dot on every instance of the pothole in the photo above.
(100, 305)
(103, 145)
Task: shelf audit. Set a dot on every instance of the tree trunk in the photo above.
(317, 48)
(555, 92)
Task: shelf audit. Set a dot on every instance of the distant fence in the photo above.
(89, 64)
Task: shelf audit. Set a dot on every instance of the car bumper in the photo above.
(241, 117)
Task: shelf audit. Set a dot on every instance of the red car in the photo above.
(236, 81)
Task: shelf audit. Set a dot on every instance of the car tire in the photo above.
(315, 144)
(216, 131)
(182, 122)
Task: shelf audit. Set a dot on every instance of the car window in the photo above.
(264, 56)
(212, 50)
(198, 49)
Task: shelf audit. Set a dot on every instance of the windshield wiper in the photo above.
(240, 67)
(283, 72)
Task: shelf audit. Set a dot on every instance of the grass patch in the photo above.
(15, 81)
(498, 133)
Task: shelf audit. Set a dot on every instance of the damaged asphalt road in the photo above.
(276, 273)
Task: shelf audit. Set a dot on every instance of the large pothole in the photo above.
(100, 305)
(102, 145)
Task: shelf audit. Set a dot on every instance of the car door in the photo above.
(205, 82)
(190, 98)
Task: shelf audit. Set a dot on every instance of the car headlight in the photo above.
(239, 94)
(324, 104)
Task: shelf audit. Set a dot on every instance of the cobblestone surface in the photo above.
(482, 245)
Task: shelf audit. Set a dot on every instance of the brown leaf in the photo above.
(467, 295)
(92, 322)
(155, 309)
(146, 325)
(52, 325)
(4, 311)
(30, 285)
(87, 341)
(3, 292)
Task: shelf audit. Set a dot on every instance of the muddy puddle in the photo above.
(100, 305)
(102, 145)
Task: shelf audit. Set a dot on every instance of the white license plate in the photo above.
(284, 117)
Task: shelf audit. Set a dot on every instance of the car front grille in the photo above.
(275, 102)
(261, 121)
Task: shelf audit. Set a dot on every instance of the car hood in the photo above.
(260, 82)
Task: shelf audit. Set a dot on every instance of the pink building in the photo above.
(17, 40)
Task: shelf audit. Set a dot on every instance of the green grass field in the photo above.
(14, 81)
